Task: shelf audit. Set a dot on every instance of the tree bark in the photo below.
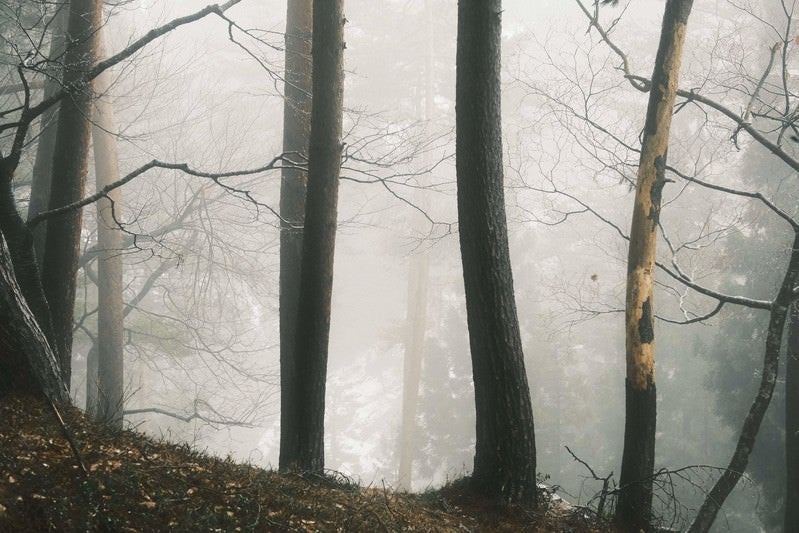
(109, 383)
(70, 161)
(26, 361)
(504, 463)
(792, 422)
(43, 164)
(296, 133)
(316, 283)
(20, 246)
(634, 506)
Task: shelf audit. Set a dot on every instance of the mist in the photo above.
(201, 253)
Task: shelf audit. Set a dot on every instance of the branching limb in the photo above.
(216, 177)
(642, 84)
(196, 415)
(147, 38)
(675, 272)
(747, 116)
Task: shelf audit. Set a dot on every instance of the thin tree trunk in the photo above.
(109, 382)
(634, 507)
(416, 314)
(504, 463)
(43, 165)
(296, 133)
(416, 321)
(316, 284)
(746, 440)
(92, 392)
(792, 422)
(70, 160)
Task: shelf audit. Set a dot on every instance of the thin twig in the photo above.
(68, 435)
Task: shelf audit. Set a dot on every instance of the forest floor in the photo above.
(134, 483)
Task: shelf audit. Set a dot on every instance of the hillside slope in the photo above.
(134, 483)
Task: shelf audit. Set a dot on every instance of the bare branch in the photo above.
(216, 177)
(643, 84)
(196, 415)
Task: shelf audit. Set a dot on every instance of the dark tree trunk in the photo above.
(746, 440)
(504, 463)
(792, 422)
(296, 132)
(62, 244)
(20, 246)
(634, 506)
(316, 284)
(43, 165)
(26, 361)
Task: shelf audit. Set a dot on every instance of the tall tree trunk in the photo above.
(792, 422)
(316, 283)
(296, 133)
(634, 507)
(70, 157)
(43, 164)
(109, 383)
(19, 237)
(504, 463)
(746, 440)
(416, 313)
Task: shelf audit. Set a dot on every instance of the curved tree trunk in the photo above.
(634, 507)
(70, 160)
(296, 132)
(26, 361)
(316, 283)
(19, 240)
(746, 440)
(504, 462)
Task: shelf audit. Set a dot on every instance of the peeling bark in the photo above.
(634, 507)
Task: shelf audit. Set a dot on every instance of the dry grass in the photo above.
(137, 484)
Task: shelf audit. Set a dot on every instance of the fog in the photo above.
(204, 339)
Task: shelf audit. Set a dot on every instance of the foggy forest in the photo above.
(543, 254)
